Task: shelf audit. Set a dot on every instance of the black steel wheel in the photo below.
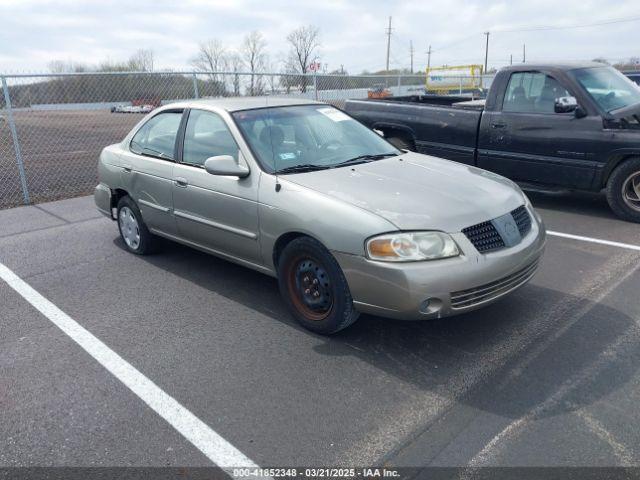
(314, 287)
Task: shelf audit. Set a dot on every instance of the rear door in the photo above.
(148, 166)
(216, 212)
(527, 141)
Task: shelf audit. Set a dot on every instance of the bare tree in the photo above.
(254, 56)
(61, 66)
(304, 42)
(212, 58)
(141, 61)
(236, 64)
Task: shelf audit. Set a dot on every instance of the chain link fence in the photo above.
(53, 127)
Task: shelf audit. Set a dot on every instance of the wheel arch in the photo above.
(614, 162)
(396, 130)
(285, 239)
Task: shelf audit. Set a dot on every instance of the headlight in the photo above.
(411, 246)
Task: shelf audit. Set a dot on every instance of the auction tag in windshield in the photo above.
(333, 114)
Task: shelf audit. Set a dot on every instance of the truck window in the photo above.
(532, 92)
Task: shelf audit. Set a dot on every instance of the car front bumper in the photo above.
(440, 288)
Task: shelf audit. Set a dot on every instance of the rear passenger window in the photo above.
(532, 92)
(207, 136)
(157, 137)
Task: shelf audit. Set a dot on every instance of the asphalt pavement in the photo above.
(547, 376)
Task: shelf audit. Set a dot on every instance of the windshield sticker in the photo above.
(333, 114)
(287, 156)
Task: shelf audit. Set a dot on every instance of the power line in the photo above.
(567, 27)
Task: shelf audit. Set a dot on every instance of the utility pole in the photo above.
(524, 53)
(429, 58)
(411, 53)
(511, 59)
(388, 43)
(486, 53)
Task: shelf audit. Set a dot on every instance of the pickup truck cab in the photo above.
(545, 126)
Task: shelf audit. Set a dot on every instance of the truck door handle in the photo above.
(181, 182)
(498, 125)
(126, 169)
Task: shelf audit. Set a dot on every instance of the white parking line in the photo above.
(211, 444)
(628, 246)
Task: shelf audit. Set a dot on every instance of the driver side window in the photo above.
(532, 92)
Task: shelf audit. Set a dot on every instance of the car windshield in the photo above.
(609, 88)
(309, 137)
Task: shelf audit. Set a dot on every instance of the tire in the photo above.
(402, 143)
(623, 199)
(314, 288)
(134, 232)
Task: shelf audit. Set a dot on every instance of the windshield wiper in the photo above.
(307, 167)
(365, 159)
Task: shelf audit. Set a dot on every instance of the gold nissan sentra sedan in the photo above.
(301, 191)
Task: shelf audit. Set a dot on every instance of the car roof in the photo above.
(234, 104)
(552, 66)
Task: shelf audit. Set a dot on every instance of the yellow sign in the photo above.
(460, 77)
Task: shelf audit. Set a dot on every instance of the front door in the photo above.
(216, 212)
(527, 141)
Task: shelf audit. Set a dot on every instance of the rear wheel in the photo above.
(623, 190)
(134, 232)
(314, 287)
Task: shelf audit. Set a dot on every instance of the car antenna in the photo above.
(273, 153)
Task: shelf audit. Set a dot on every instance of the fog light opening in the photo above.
(430, 305)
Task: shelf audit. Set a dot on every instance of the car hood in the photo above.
(627, 112)
(415, 191)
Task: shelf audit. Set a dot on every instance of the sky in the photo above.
(352, 32)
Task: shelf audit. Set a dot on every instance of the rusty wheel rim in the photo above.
(310, 288)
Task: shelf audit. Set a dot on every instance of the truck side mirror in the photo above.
(579, 112)
(565, 104)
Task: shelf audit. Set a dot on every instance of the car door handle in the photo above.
(181, 182)
(498, 125)
(126, 169)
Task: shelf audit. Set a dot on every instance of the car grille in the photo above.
(478, 295)
(486, 238)
(522, 219)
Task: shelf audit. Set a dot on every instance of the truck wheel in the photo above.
(314, 288)
(402, 143)
(134, 232)
(623, 190)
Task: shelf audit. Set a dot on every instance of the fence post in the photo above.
(196, 94)
(16, 145)
(315, 84)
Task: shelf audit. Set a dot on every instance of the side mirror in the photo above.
(580, 112)
(225, 165)
(565, 104)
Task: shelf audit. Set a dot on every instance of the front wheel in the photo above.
(623, 190)
(314, 287)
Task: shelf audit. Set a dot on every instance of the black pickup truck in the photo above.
(544, 126)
